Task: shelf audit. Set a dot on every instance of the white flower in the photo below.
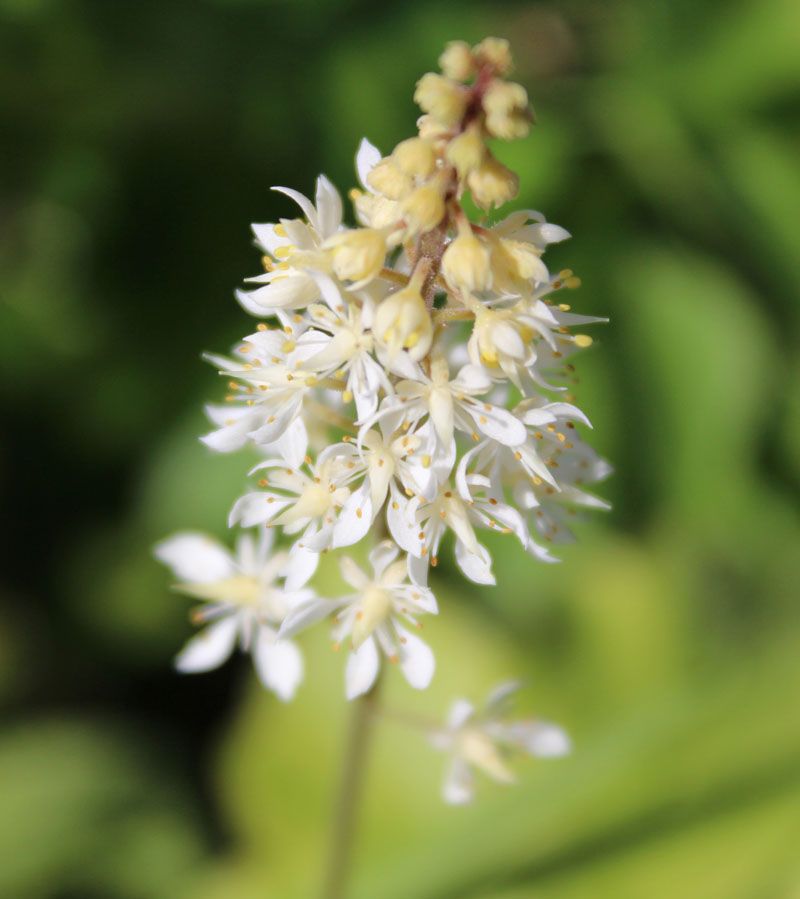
(343, 345)
(451, 405)
(272, 393)
(485, 740)
(320, 505)
(242, 603)
(418, 527)
(371, 618)
(291, 243)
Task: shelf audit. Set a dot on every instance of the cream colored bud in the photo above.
(415, 157)
(357, 255)
(503, 97)
(456, 62)
(466, 151)
(466, 262)
(493, 183)
(514, 261)
(495, 51)
(402, 321)
(445, 100)
(424, 209)
(513, 126)
(388, 180)
(432, 130)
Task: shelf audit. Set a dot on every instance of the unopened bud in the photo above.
(415, 157)
(514, 261)
(389, 180)
(492, 184)
(496, 52)
(456, 62)
(424, 209)
(357, 255)
(432, 130)
(509, 126)
(466, 262)
(466, 151)
(503, 97)
(445, 100)
(402, 321)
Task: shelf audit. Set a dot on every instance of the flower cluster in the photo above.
(410, 376)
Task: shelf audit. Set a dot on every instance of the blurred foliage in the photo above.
(139, 142)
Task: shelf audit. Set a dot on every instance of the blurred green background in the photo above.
(139, 142)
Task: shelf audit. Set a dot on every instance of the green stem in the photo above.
(350, 788)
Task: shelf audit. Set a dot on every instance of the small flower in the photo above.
(492, 183)
(288, 244)
(416, 157)
(442, 98)
(371, 618)
(357, 255)
(466, 262)
(402, 321)
(466, 151)
(456, 61)
(485, 740)
(320, 505)
(242, 602)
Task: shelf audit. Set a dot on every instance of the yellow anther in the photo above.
(280, 230)
(583, 340)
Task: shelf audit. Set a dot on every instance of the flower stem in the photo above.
(354, 767)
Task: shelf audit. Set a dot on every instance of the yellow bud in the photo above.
(445, 100)
(519, 260)
(423, 210)
(496, 52)
(388, 180)
(466, 151)
(465, 262)
(456, 62)
(503, 97)
(430, 129)
(357, 255)
(402, 321)
(492, 183)
(415, 157)
(509, 126)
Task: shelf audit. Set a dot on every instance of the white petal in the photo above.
(210, 648)
(267, 238)
(303, 202)
(499, 424)
(382, 557)
(300, 568)
(306, 614)
(229, 438)
(500, 694)
(459, 784)
(255, 508)
(541, 738)
(279, 664)
(196, 558)
(366, 160)
(355, 518)
(329, 207)
(475, 565)
(352, 574)
(460, 712)
(416, 659)
(362, 669)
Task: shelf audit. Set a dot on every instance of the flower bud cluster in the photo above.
(411, 376)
